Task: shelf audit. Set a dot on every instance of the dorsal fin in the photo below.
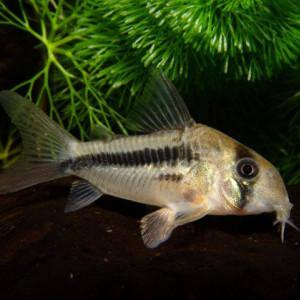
(160, 107)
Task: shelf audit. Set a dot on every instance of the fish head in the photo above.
(252, 185)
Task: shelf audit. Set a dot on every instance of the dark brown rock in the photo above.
(97, 252)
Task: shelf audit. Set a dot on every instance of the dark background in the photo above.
(97, 252)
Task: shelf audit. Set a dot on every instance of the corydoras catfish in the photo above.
(187, 169)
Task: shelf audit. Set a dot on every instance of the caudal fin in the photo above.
(45, 145)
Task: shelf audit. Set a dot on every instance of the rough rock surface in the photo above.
(97, 252)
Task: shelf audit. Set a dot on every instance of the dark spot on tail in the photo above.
(67, 164)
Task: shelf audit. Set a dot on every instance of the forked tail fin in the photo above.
(45, 145)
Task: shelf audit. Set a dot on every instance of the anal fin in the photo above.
(82, 194)
(158, 226)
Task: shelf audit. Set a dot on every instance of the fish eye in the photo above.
(247, 168)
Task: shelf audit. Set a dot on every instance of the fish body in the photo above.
(187, 169)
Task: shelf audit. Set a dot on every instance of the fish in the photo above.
(187, 169)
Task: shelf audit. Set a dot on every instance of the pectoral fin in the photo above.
(158, 226)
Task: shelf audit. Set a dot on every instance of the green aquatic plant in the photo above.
(97, 55)
(62, 78)
(9, 148)
(290, 159)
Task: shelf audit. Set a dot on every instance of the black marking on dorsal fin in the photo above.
(160, 107)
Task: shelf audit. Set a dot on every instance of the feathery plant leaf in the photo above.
(290, 162)
(97, 52)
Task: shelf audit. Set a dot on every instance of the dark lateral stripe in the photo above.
(143, 157)
(170, 177)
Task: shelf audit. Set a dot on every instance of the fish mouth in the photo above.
(283, 218)
(282, 226)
